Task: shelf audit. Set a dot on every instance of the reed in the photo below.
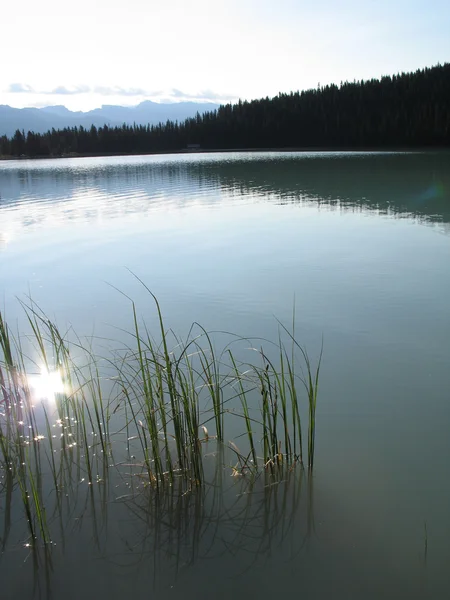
(167, 397)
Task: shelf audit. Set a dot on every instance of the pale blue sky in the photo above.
(89, 53)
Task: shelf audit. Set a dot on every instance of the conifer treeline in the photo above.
(408, 110)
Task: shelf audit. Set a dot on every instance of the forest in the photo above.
(401, 111)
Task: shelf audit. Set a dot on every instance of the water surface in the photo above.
(360, 244)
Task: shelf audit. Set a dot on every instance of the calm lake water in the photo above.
(360, 244)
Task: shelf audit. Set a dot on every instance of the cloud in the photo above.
(20, 88)
(177, 93)
(119, 91)
(203, 95)
(172, 95)
(210, 95)
(62, 90)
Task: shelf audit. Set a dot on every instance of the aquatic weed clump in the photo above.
(70, 414)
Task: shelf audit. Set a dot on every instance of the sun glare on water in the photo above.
(46, 385)
(5, 238)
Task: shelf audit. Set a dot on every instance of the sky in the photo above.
(85, 53)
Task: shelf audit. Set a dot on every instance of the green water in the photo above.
(360, 244)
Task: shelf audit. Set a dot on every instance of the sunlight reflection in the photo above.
(46, 385)
(5, 238)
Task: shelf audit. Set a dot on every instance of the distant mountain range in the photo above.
(41, 120)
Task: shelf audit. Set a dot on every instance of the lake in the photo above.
(358, 245)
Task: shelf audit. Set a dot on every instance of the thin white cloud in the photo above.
(203, 96)
(120, 91)
(210, 95)
(174, 94)
(62, 90)
(90, 96)
(20, 88)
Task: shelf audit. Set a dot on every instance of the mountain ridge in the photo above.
(41, 120)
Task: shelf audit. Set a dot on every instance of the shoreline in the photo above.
(303, 149)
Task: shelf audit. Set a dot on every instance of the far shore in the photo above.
(230, 150)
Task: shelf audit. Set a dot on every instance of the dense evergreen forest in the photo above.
(407, 110)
